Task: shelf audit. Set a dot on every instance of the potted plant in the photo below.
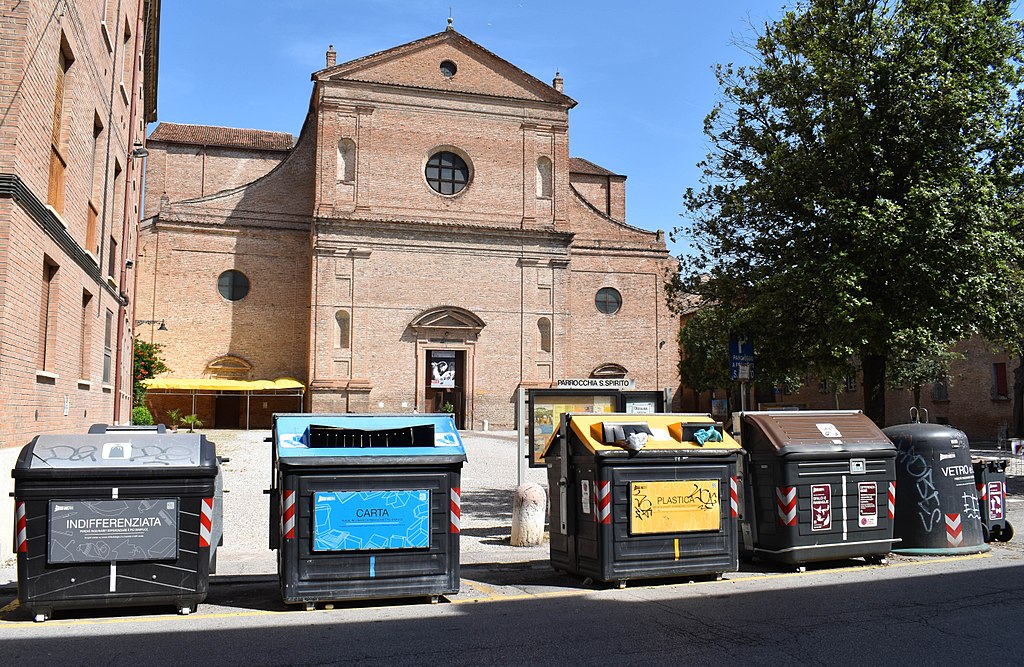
(174, 416)
(192, 421)
(448, 407)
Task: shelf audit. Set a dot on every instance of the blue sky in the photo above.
(640, 71)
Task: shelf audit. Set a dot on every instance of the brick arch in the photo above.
(229, 367)
(609, 371)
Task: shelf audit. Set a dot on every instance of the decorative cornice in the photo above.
(12, 187)
(411, 225)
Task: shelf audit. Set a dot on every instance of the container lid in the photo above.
(409, 437)
(601, 434)
(117, 450)
(805, 432)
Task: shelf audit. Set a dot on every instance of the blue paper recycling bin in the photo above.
(365, 506)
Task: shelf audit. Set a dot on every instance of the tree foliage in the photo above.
(857, 202)
(146, 363)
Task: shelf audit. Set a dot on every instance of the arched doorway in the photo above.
(446, 339)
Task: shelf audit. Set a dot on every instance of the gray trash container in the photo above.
(937, 510)
(117, 517)
(819, 486)
(990, 480)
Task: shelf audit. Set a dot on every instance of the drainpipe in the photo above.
(122, 310)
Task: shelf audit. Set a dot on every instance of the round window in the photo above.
(447, 173)
(608, 300)
(448, 69)
(233, 285)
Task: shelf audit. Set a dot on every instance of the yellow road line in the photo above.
(493, 595)
(483, 588)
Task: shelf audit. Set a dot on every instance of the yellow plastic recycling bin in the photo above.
(642, 496)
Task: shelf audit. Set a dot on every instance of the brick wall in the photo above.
(67, 392)
(186, 171)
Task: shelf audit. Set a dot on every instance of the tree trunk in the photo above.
(874, 387)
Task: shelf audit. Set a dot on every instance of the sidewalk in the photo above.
(489, 479)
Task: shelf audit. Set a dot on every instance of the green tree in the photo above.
(856, 200)
(146, 363)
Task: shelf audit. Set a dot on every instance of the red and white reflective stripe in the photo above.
(734, 499)
(892, 500)
(954, 530)
(785, 498)
(205, 522)
(603, 502)
(456, 509)
(982, 492)
(288, 515)
(21, 530)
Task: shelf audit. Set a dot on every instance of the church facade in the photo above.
(426, 243)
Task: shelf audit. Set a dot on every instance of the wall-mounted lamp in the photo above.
(162, 327)
(128, 264)
(138, 150)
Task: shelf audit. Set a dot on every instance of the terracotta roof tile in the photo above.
(578, 165)
(228, 137)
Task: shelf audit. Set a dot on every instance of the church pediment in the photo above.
(447, 318)
(447, 62)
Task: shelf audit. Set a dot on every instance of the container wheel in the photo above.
(1006, 534)
(40, 617)
(801, 568)
(877, 559)
(185, 610)
(434, 599)
(621, 583)
(986, 534)
(310, 606)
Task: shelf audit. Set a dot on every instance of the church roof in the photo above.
(393, 67)
(578, 165)
(227, 137)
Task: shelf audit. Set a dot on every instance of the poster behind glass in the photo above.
(442, 369)
(547, 408)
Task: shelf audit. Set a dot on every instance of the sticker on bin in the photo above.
(365, 520)
(112, 530)
(821, 507)
(867, 504)
(674, 507)
(829, 430)
(996, 496)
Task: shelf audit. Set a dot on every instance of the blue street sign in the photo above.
(741, 356)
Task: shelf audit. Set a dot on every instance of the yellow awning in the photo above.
(212, 384)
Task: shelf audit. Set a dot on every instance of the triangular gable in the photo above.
(418, 65)
(448, 318)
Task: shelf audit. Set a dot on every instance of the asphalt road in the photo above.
(514, 609)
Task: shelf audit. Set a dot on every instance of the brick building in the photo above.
(976, 397)
(427, 240)
(77, 85)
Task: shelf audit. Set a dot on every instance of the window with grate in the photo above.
(233, 285)
(608, 300)
(447, 173)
